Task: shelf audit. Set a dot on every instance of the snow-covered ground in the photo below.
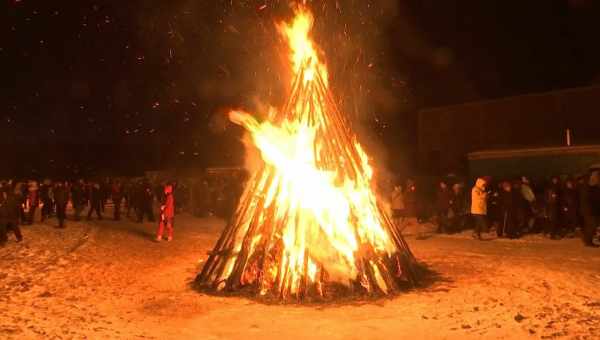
(109, 280)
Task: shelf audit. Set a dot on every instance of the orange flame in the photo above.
(309, 215)
(304, 56)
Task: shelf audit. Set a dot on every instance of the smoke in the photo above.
(225, 54)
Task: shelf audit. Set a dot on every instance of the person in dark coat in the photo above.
(47, 204)
(508, 221)
(146, 201)
(9, 216)
(32, 201)
(589, 205)
(569, 207)
(443, 203)
(95, 201)
(117, 198)
(105, 193)
(130, 201)
(521, 208)
(78, 198)
(458, 207)
(61, 197)
(410, 199)
(551, 200)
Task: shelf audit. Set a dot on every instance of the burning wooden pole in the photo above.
(309, 225)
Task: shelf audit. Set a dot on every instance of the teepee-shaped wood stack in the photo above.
(290, 240)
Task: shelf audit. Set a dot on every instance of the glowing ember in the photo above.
(308, 223)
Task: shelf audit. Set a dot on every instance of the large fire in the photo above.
(308, 222)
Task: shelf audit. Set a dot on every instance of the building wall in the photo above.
(447, 134)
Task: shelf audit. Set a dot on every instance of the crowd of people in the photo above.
(19, 202)
(558, 207)
(30, 201)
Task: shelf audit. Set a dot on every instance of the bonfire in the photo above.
(309, 224)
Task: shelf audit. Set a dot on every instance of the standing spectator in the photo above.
(507, 209)
(520, 206)
(443, 202)
(204, 205)
(568, 207)
(78, 198)
(146, 201)
(479, 207)
(529, 210)
(44, 193)
(130, 192)
(551, 201)
(105, 192)
(398, 207)
(32, 201)
(589, 204)
(494, 215)
(21, 193)
(458, 207)
(9, 216)
(117, 198)
(61, 196)
(410, 198)
(95, 201)
(167, 214)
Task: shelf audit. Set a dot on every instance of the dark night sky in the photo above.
(130, 85)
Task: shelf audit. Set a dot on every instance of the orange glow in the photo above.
(309, 216)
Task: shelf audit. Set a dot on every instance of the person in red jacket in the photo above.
(167, 214)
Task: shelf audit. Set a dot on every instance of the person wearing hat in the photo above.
(479, 207)
(167, 214)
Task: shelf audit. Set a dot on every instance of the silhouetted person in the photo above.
(569, 207)
(145, 205)
(508, 225)
(589, 204)
(521, 207)
(551, 200)
(443, 202)
(398, 207)
(105, 192)
(95, 201)
(32, 201)
(61, 197)
(410, 199)
(529, 204)
(117, 198)
(9, 216)
(458, 207)
(47, 204)
(78, 198)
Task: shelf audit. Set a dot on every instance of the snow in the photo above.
(108, 280)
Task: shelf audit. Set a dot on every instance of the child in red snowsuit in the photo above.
(167, 214)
